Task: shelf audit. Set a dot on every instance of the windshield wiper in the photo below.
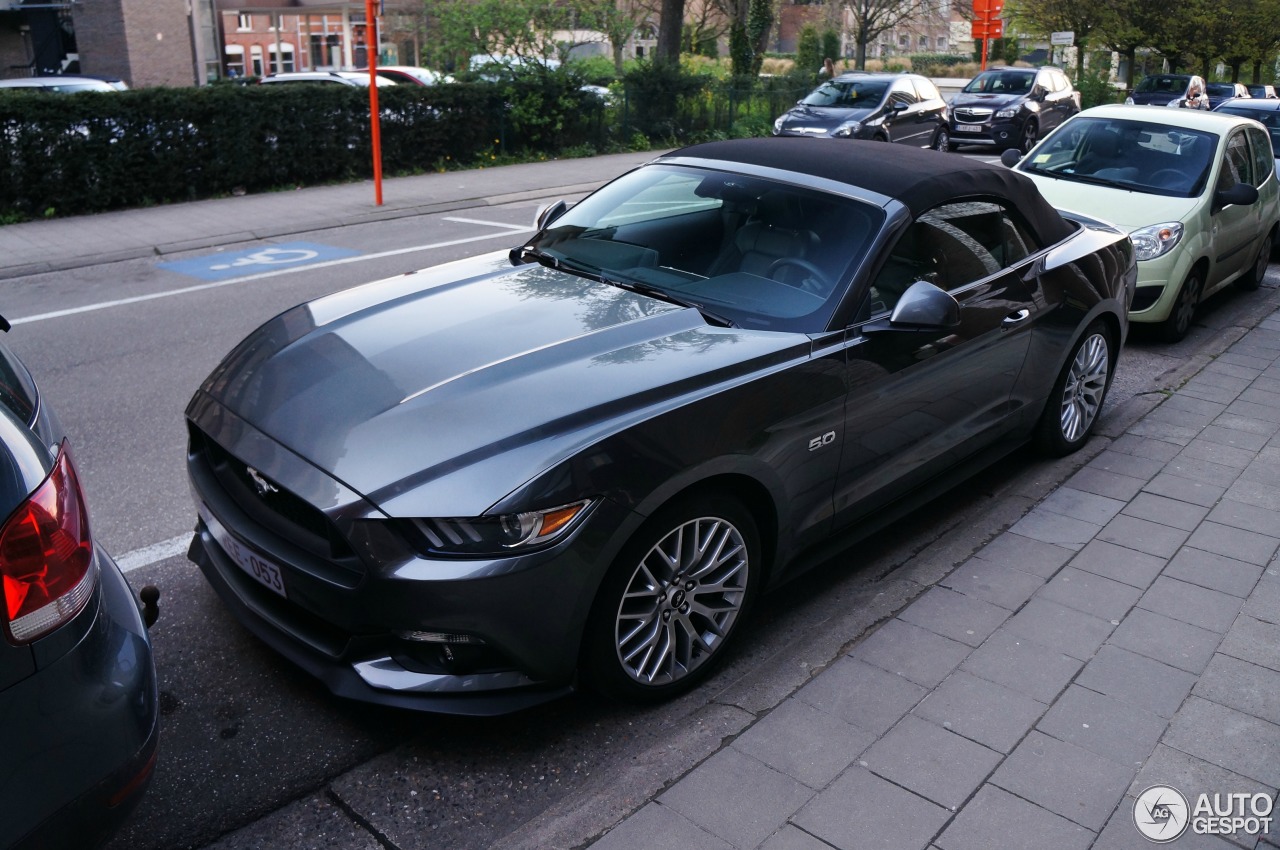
(664, 295)
(1079, 178)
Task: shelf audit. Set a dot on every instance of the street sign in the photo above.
(987, 29)
(1062, 39)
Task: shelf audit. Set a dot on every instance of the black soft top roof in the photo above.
(920, 179)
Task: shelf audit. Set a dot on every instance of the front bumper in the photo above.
(1002, 133)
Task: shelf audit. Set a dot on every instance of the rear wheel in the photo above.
(1176, 326)
(1252, 279)
(1078, 394)
(673, 600)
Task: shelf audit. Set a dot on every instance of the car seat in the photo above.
(776, 230)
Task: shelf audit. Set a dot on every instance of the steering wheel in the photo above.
(816, 283)
(1167, 178)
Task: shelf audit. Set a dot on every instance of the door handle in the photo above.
(1016, 318)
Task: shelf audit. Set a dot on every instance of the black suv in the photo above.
(1011, 107)
(903, 108)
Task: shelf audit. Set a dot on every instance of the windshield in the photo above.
(758, 253)
(1000, 82)
(1140, 156)
(1221, 89)
(1175, 83)
(848, 94)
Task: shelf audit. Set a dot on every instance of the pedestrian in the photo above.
(828, 71)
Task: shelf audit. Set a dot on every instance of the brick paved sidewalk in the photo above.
(1123, 634)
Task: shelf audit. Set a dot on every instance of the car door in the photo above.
(933, 109)
(904, 114)
(1235, 230)
(922, 400)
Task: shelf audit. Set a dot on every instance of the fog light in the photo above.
(440, 637)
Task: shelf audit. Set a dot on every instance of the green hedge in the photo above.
(71, 154)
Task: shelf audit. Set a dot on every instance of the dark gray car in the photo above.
(902, 108)
(1012, 107)
(471, 488)
(77, 682)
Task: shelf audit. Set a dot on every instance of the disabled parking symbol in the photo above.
(229, 265)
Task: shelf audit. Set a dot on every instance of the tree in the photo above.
(667, 50)
(1079, 16)
(871, 18)
(1130, 25)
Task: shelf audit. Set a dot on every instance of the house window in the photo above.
(904, 41)
(942, 43)
(924, 42)
(286, 52)
(255, 55)
(244, 23)
(234, 58)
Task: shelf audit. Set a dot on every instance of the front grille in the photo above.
(973, 116)
(277, 510)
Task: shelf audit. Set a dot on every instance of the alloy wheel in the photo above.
(1086, 387)
(681, 601)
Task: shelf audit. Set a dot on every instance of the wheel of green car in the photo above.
(1175, 327)
(673, 599)
(1252, 279)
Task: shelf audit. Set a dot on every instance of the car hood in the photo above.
(987, 101)
(822, 118)
(1155, 98)
(1126, 210)
(439, 392)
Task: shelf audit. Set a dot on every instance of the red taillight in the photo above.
(45, 556)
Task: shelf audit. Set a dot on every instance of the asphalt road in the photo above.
(246, 735)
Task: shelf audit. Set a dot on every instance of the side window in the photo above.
(1238, 166)
(927, 90)
(1263, 158)
(902, 92)
(950, 246)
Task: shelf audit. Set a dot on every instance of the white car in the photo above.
(1196, 191)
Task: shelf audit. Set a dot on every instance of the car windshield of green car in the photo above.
(1139, 156)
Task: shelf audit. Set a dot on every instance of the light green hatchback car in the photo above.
(1196, 191)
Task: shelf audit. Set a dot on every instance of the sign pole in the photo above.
(375, 118)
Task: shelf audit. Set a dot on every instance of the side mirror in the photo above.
(898, 106)
(923, 307)
(1241, 194)
(1011, 157)
(548, 213)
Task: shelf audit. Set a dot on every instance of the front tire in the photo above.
(1078, 394)
(1030, 135)
(942, 141)
(1174, 328)
(673, 600)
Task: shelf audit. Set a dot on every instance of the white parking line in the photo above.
(154, 553)
(120, 302)
(488, 223)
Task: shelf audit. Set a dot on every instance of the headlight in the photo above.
(1128, 101)
(778, 122)
(1156, 240)
(847, 129)
(1011, 112)
(496, 535)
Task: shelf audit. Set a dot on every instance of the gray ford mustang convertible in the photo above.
(470, 488)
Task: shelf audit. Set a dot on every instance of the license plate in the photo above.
(260, 568)
(968, 128)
